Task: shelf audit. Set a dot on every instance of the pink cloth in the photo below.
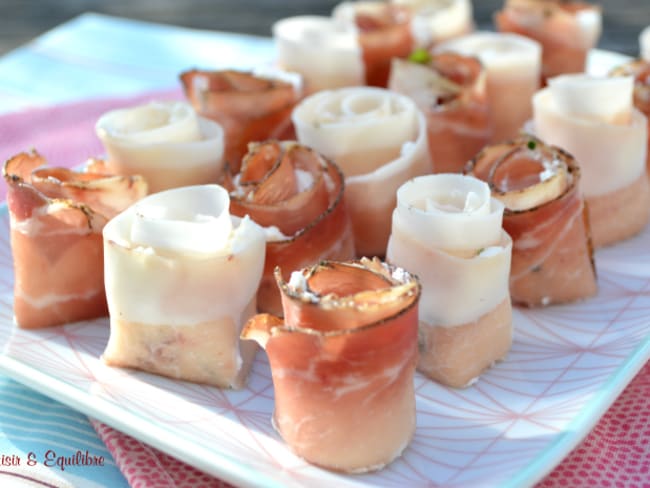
(146, 467)
(63, 134)
(616, 453)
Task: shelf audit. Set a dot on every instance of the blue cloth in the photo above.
(38, 432)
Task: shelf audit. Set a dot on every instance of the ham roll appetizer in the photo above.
(594, 119)
(639, 69)
(512, 63)
(326, 53)
(435, 21)
(57, 217)
(450, 90)
(384, 32)
(342, 362)
(552, 255)
(448, 228)
(249, 106)
(567, 30)
(297, 196)
(165, 142)
(379, 140)
(181, 278)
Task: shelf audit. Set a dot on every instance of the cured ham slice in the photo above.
(448, 228)
(640, 70)
(594, 120)
(165, 142)
(384, 32)
(181, 277)
(435, 21)
(552, 255)
(297, 195)
(249, 106)
(379, 140)
(513, 65)
(450, 90)
(566, 31)
(57, 218)
(326, 53)
(342, 363)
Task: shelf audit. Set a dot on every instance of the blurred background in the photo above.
(25, 19)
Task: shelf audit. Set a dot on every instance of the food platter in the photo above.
(568, 364)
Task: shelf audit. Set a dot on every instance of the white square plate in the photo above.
(567, 365)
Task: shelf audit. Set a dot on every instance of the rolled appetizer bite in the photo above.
(250, 106)
(552, 254)
(594, 119)
(384, 32)
(435, 21)
(448, 228)
(181, 278)
(379, 140)
(639, 69)
(56, 220)
(325, 52)
(567, 30)
(297, 196)
(343, 361)
(449, 88)
(165, 142)
(512, 63)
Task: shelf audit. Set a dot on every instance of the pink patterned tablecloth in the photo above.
(615, 454)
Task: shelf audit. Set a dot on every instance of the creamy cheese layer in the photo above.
(449, 211)
(179, 258)
(166, 142)
(325, 52)
(361, 128)
(447, 229)
(594, 120)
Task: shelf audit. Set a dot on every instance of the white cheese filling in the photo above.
(449, 211)
(179, 258)
(326, 53)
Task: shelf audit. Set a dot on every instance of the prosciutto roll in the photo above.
(181, 276)
(249, 106)
(448, 228)
(165, 142)
(567, 30)
(342, 363)
(639, 69)
(57, 217)
(594, 120)
(450, 90)
(435, 21)
(552, 256)
(297, 195)
(513, 65)
(384, 32)
(325, 52)
(379, 140)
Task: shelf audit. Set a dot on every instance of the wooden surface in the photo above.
(22, 20)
